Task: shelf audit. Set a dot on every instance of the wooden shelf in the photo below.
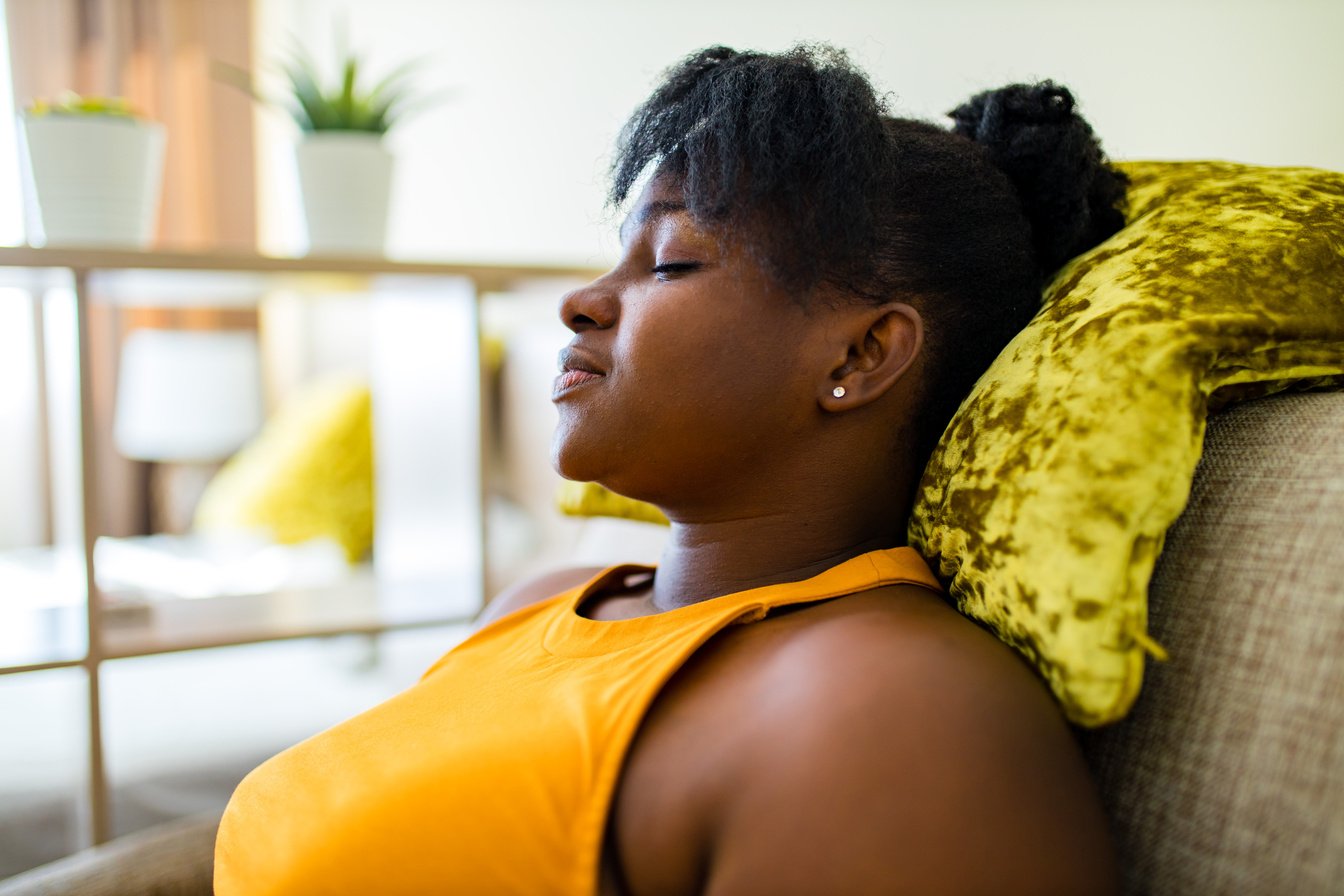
(54, 637)
(68, 633)
(486, 277)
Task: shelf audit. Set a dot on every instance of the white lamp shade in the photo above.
(187, 396)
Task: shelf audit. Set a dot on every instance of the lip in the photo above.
(572, 379)
(576, 369)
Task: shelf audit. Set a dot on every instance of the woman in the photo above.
(787, 705)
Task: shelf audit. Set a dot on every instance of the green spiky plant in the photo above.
(70, 103)
(344, 106)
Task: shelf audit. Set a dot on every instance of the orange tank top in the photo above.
(494, 773)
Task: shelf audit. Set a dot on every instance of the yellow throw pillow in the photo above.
(308, 473)
(1045, 504)
(591, 499)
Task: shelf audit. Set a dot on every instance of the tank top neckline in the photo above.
(575, 635)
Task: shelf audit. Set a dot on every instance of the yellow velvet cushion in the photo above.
(308, 473)
(1045, 503)
(1047, 499)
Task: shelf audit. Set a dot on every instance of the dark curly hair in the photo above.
(795, 154)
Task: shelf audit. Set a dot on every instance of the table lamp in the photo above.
(188, 398)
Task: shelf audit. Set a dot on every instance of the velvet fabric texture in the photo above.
(1044, 506)
(1045, 503)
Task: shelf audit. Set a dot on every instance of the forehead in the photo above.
(661, 197)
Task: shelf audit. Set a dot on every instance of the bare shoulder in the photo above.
(904, 649)
(927, 752)
(882, 743)
(529, 591)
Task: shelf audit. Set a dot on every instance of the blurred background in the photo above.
(503, 165)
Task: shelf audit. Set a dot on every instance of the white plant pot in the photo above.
(345, 178)
(96, 179)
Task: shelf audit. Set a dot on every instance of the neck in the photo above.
(709, 559)
(841, 500)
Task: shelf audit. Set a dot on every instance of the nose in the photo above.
(591, 307)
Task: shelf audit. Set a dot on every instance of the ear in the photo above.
(880, 344)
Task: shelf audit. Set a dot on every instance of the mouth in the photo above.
(575, 370)
(572, 379)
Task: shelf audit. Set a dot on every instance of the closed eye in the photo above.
(673, 268)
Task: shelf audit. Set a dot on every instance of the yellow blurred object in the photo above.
(307, 474)
(492, 352)
(591, 499)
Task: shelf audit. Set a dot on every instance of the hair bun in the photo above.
(994, 115)
(1068, 191)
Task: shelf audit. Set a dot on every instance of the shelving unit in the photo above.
(93, 631)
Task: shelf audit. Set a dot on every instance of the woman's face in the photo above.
(687, 376)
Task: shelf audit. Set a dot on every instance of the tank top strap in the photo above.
(570, 634)
(875, 569)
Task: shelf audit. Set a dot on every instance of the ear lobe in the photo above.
(886, 340)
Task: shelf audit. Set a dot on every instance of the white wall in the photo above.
(511, 168)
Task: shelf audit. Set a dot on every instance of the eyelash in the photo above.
(674, 267)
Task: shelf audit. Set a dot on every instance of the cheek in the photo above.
(724, 395)
(683, 398)
(710, 354)
(654, 420)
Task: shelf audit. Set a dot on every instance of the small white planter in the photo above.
(345, 178)
(96, 179)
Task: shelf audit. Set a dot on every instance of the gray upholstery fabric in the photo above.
(172, 859)
(1228, 777)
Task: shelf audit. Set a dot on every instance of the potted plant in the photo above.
(344, 164)
(96, 170)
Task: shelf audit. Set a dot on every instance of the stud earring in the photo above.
(838, 391)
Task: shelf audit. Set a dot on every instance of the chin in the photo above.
(595, 467)
(570, 459)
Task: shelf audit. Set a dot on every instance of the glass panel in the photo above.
(425, 373)
(220, 577)
(11, 197)
(42, 615)
(43, 757)
(42, 618)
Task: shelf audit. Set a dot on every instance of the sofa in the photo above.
(1227, 776)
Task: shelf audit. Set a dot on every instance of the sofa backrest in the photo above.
(1228, 776)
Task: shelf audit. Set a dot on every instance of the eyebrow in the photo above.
(643, 213)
